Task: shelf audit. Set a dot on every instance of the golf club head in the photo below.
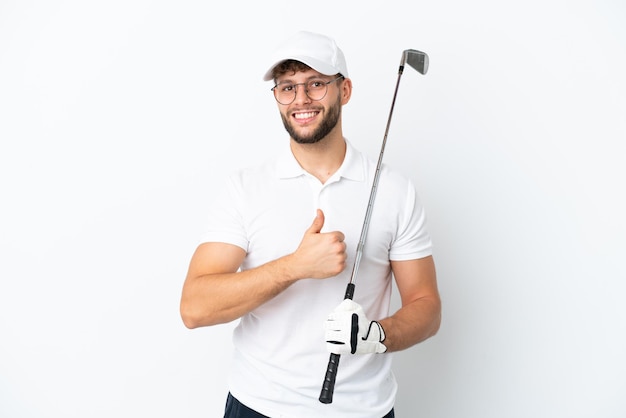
(416, 59)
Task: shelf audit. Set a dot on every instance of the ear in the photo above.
(346, 90)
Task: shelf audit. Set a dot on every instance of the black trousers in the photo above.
(235, 409)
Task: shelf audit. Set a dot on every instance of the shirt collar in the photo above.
(352, 168)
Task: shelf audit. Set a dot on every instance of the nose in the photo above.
(301, 94)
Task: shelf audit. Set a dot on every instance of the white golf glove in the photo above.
(348, 331)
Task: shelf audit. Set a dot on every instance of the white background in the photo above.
(118, 117)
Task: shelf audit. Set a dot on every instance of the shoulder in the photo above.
(387, 171)
(393, 179)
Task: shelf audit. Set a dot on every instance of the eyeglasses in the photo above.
(316, 89)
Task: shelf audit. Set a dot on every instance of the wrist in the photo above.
(382, 336)
(286, 270)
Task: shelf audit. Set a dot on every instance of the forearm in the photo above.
(215, 291)
(412, 324)
(218, 298)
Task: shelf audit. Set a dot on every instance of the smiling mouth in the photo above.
(305, 115)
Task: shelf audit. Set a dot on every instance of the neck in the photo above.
(321, 159)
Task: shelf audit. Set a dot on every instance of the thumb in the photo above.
(317, 224)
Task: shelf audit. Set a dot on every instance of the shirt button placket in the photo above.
(316, 191)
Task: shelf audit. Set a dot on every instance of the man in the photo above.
(276, 254)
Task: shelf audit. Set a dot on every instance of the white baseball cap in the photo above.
(315, 50)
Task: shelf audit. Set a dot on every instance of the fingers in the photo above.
(348, 331)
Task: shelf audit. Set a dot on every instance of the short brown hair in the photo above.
(289, 66)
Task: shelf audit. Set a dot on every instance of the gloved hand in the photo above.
(348, 331)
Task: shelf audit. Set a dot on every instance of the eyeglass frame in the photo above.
(295, 94)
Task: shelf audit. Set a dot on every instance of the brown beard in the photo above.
(328, 124)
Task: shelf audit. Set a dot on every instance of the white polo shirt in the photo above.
(280, 353)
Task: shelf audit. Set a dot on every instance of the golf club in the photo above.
(418, 61)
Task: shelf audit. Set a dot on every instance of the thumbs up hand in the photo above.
(320, 254)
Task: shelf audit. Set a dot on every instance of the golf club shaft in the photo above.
(328, 386)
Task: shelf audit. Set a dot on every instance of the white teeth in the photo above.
(304, 115)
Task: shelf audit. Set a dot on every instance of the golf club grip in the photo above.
(328, 386)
